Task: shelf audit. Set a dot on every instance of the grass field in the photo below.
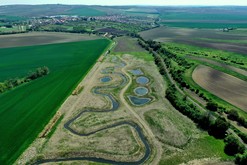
(25, 110)
(229, 88)
(204, 147)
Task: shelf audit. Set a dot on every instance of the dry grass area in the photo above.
(41, 38)
(227, 87)
(168, 129)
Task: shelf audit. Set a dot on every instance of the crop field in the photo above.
(25, 110)
(229, 88)
(40, 38)
(215, 39)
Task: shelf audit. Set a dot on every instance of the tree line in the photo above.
(12, 83)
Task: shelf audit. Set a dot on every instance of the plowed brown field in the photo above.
(227, 87)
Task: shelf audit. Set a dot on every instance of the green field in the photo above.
(85, 11)
(205, 25)
(25, 110)
(11, 18)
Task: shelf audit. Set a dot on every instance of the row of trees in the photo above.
(12, 83)
(216, 127)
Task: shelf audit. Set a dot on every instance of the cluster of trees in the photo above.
(233, 115)
(233, 146)
(216, 127)
(12, 83)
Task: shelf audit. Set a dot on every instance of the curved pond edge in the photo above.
(140, 93)
(135, 100)
(142, 80)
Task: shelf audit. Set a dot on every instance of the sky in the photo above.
(129, 2)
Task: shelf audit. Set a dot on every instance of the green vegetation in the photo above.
(241, 159)
(233, 146)
(25, 110)
(223, 40)
(12, 83)
(204, 25)
(203, 147)
(85, 11)
(8, 18)
(182, 67)
(216, 125)
(238, 60)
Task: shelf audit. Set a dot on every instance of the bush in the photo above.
(212, 106)
(219, 127)
(241, 159)
(233, 115)
(233, 146)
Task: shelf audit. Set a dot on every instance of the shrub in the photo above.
(233, 146)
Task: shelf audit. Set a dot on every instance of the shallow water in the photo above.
(138, 101)
(142, 80)
(136, 72)
(141, 91)
(105, 79)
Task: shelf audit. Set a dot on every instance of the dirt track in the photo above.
(41, 38)
(227, 87)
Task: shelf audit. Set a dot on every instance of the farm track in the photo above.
(114, 107)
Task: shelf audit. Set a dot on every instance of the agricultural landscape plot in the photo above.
(41, 38)
(92, 84)
(227, 87)
(233, 41)
(27, 109)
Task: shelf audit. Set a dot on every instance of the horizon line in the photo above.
(129, 5)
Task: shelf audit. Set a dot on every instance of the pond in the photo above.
(142, 80)
(141, 91)
(136, 72)
(105, 79)
(138, 101)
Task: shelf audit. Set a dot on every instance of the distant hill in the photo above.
(48, 10)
